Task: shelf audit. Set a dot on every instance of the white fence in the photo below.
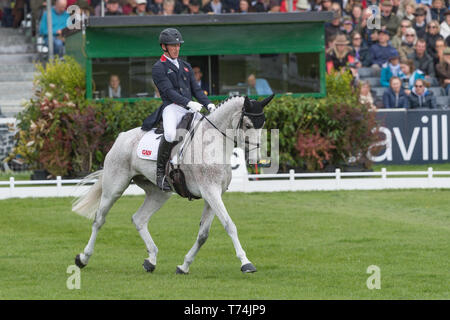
(257, 183)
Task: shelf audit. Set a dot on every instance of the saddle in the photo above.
(174, 175)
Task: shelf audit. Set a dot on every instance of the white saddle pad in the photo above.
(148, 146)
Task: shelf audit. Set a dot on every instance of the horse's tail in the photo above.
(87, 203)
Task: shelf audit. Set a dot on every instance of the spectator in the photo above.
(339, 56)
(303, 6)
(168, 7)
(141, 8)
(325, 5)
(407, 9)
(243, 6)
(198, 74)
(445, 26)
(422, 60)
(59, 22)
(182, 7)
(391, 69)
(257, 86)
(443, 71)
(333, 27)
(233, 5)
(440, 47)
(360, 51)
(431, 36)
(421, 97)
(419, 23)
(194, 6)
(437, 11)
(410, 75)
(400, 35)
(395, 96)
(347, 26)
(114, 8)
(274, 5)
(389, 20)
(408, 43)
(362, 29)
(356, 13)
(382, 50)
(365, 95)
(114, 88)
(336, 7)
(155, 7)
(129, 7)
(216, 7)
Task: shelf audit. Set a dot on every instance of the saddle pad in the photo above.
(148, 146)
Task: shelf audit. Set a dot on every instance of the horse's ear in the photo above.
(247, 103)
(267, 100)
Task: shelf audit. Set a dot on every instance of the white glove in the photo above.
(194, 106)
(211, 107)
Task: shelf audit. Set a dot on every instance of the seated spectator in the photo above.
(182, 7)
(216, 7)
(303, 6)
(421, 97)
(362, 29)
(407, 9)
(431, 36)
(395, 96)
(347, 27)
(333, 27)
(59, 22)
(274, 5)
(114, 88)
(356, 14)
(168, 7)
(112, 8)
(198, 74)
(141, 8)
(339, 56)
(400, 35)
(389, 21)
(284, 5)
(445, 25)
(419, 23)
(243, 6)
(382, 50)
(440, 47)
(437, 11)
(360, 52)
(194, 6)
(233, 5)
(257, 86)
(365, 95)
(155, 7)
(408, 44)
(443, 71)
(422, 59)
(389, 70)
(129, 7)
(410, 75)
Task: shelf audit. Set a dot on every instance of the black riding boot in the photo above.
(164, 151)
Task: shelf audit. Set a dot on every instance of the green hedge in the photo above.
(62, 132)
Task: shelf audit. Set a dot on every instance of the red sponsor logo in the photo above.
(147, 152)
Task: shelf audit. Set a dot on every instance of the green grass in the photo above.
(310, 245)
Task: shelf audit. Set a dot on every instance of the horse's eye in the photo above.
(248, 126)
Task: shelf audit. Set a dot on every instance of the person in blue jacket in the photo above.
(176, 84)
(395, 96)
(59, 22)
(391, 69)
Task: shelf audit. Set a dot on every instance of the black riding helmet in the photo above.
(170, 36)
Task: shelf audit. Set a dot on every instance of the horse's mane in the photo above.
(228, 100)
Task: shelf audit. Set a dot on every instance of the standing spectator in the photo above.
(431, 36)
(400, 35)
(408, 43)
(339, 56)
(155, 7)
(419, 23)
(389, 20)
(360, 51)
(395, 96)
(422, 59)
(410, 75)
(445, 26)
(59, 22)
(437, 11)
(382, 50)
(391, 69)
(168, 7)
(443, 71)
(421, 97)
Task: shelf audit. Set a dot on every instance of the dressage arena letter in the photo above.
(74, 281)
(374, 281)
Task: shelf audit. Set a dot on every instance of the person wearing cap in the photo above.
(140, 9)
(303, 6)
(419, 23)
(391, 69)
(177, 86)
(347, 26)
(340, 56)
(443, 71)
(445, 25)
(333, 27)
(389, 20)
(114, 9)
(420, 97)
(382, 51)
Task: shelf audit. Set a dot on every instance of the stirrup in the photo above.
(164, 185)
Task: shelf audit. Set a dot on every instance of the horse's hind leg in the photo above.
(154, 200)
(205, 226)
(113, 185)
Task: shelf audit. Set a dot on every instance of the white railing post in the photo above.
(430, 173)
(58, 185)
(11, 186)
(338, 178)
(383, 173)
(291, 179)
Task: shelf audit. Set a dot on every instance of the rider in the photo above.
(176, 84)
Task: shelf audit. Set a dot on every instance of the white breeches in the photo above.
(172, 115)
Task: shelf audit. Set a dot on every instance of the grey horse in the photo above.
(208, 180)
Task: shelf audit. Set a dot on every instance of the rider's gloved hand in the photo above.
(211, 107)
(194, 106)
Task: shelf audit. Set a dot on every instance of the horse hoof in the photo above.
(179, 271)
(149, 267)
(78, 262)
(248, 268)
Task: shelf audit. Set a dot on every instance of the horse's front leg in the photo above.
(205, 226)
(214, 198)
